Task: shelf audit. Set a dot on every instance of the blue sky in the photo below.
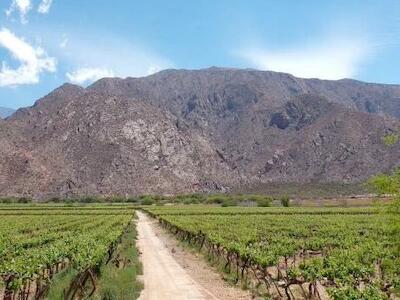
(45, 43)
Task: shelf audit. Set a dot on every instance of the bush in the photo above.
(115, 199)
(391, 139)
(386, 184)
(69, 201)
(285, 201)
(132, 200)
(264, 202)
(88, 199)
(217, 199)
(55, 200)
(7, 200)
(156, 198)
(10, 200)
(147, 201)
(24, 200)
(192, 198)
(389, 184)
(229, 202)
(189, 201)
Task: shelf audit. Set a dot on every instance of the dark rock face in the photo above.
(302, 111)
(197, 131)
(280, 120)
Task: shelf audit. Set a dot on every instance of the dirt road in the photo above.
(163, 277)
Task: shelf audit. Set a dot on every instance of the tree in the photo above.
(389, 184)
(285, 201)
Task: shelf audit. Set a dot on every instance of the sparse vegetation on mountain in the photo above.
(206, 131)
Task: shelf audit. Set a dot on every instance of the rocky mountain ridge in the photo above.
(211, 130)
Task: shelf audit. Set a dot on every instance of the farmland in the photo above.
(346, 253)
(55, 251)
(38, 243)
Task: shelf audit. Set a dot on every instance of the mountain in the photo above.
(5, 112)
(211, 130)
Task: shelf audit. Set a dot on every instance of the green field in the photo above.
(55, 251)
(352, 252)
(39, 244)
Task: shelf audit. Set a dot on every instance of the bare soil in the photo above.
(172, 272)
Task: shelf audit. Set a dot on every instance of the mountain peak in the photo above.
(68, 88)
(207, 130)
(63, 93)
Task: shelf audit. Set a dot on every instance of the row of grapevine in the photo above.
(33, 248)
(217, 210)
(66, 212)
(47, 208)
(349, 255)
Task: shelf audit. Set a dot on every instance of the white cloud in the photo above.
(88, 75)
(111, 53)
(118, 55)
(334, 58)
(44, 6)
(33, 61)
(23, 7)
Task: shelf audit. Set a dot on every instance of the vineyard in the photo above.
(78, 252)
(38, 243)
(292, 253)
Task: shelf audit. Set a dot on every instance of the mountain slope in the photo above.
(103, 144)
(198, 131)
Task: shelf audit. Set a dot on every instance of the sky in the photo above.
(45, 43)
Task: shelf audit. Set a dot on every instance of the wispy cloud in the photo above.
(22, 6)
(88, 75)
(44, 6)
(331, 58)
(33, 61)
(110, 53)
